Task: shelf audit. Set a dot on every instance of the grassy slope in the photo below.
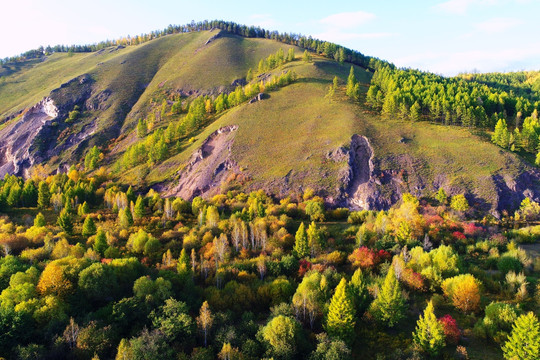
(297, 126)
(29, 85)
(289, 133)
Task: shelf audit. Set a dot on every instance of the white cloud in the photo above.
(348, 19)
(497, 25)
(460, 7)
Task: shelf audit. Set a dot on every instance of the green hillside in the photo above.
(283, 142)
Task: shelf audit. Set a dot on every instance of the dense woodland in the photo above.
(93, 270)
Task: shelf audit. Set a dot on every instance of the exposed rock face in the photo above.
(208, 167)
(365, 186)
(33, 139)
(18, 138)
(365, 190)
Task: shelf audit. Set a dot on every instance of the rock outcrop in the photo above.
(208, 167)
(19, 137)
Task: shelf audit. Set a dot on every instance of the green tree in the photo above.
(459, 203)
(141, 129)
(352, 89)
(44, 196)
(172, 319)
(301, 245)
(330, 349)
(501, 135)
(100, 242)
(39, 221)
(441, 196)
(306, 57)
(389, 305)
(92, 158)
(282, 333)
(65, 221)
(524, 341)
(358, 289)
(415, 113)
(89, 228)
(125, 219)
(139, 207)
(340, 320)
(429, 333)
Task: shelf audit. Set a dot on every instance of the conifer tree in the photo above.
(65, 221)
(340, 321)
(139, 208)
(141, 129)
(183, 262)
(314, 239)
(429, 334)
(100, 243)
(125, 219)
(389, 306)
(441, 196)
(358, 289)
(301, 247)
(39, 221)
(501, 136)
(351, 85)
(415, 112)
(89, 228)
(44, 196)
(524, 340)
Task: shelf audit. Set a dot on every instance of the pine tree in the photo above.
(139, 208)
(441, 196)
(39, 221)
(301, 247)
(183, 262)
(389, 306)
(89, 228)
(125, 219)
(306, 57)
(340, 321)
(429, 334)
(358, 290)
(501, 136)
(415, 112)
(100, 242)
(351, 84)
(65, 221)
(314, 239)
(44, 197)
(141, 129)
(524, 341)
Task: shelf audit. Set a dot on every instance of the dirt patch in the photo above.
(208, 167)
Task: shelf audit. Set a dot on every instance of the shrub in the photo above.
(451, 329)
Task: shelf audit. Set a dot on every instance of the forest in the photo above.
(93, 270)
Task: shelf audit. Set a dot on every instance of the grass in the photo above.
(288, 134)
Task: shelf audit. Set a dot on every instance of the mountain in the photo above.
(56, 107)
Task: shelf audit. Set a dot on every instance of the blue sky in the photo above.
(445, 37)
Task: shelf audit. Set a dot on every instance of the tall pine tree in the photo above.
(340, 320)
(429, 334)
(301, 247)
(524, 341)
(389, 306)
